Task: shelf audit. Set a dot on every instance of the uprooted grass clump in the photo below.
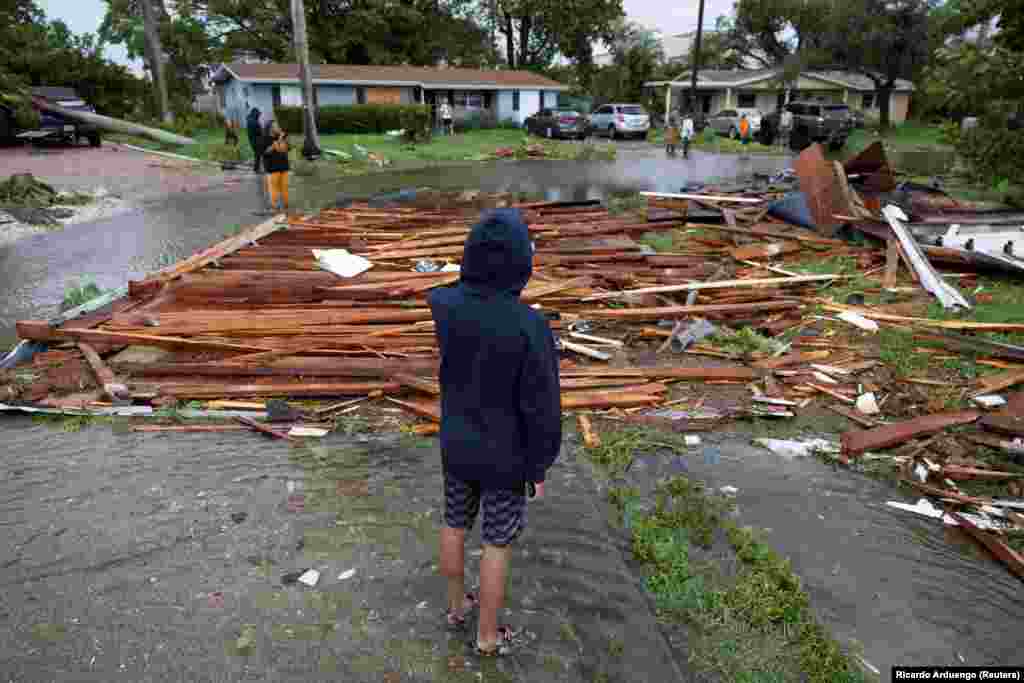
(617, 449)
(751, 625)
(742, 342)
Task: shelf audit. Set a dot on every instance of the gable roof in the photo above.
(729, 78)
(423, 76)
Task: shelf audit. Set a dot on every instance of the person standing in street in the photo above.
(276, 161)
(672, 133)
(501, 418)
(255, 131)
(688, 132)
(785, 127)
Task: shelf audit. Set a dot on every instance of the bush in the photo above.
(358, 118)
(188, 123)
(992, 153)
(226, 153)
(508, 124)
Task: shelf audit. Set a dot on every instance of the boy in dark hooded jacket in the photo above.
(501, 425)
(252, 127)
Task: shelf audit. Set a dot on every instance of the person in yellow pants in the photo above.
(275, 161)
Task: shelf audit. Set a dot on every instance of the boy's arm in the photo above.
(540, 404)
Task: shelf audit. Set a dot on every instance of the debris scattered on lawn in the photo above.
(345, 575)
(797, 449)
(310, 578)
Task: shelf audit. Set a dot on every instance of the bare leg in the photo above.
(453, 565)
(493, 573)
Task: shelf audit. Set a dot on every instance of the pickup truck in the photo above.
(54, 126)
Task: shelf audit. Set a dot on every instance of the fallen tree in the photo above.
(111, 124)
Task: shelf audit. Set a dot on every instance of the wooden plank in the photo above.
(856, 442)
(38, 330)
(428, 409)
(418, 384)
(263, 429)
(1013, 560)
(591, 439)
(703, 197)
(309, 366)
(217, 251)
(202, 391)
(661, 312)
(892, 263)
(111, 387)
(721, 284)
(607, 400)
(926, 322)
(739, 374)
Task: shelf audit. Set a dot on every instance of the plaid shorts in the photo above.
(504, 511)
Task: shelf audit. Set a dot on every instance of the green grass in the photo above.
(753, 625)
(838, 290)
(896, 350)
(1006, 306)
(82, 292)
(907, 136)
(617, 450)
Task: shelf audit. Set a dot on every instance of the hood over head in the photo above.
(254, 113)
(498, 256)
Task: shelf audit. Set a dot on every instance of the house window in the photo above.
(291, 96)
(469, 100)
(275, 94)
(868, 100)
(515, 100)
(747, 100)
(360, 95)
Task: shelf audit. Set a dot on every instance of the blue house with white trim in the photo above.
(495, 96)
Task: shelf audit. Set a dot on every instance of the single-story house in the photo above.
(493, 95)
(765, 90)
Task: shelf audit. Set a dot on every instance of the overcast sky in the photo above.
(84, 16)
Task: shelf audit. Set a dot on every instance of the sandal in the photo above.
(457, 618)
(506, 636)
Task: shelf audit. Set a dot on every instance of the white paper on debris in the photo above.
(341, 262)
(926, 508)
(451, 268)
(860, 321)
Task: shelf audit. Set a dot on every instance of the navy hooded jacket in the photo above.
(501, 420)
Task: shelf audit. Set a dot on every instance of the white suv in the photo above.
(626, 120)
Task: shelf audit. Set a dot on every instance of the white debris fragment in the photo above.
(346, 575)
(797, 449)
(310, 578)
(867, 404)
(921, 472)
(691, 440)
(822, 377)
(858, 320)
(315, 432)
(341, 262)
(729, 490)
(989, 401)
(451, 268)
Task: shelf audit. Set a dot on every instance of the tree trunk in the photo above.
(156, 58)
(311, 139)
(525, 24)
(884, 93)
(510, 42)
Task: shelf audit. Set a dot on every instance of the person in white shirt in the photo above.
(688, 130)
(785, 126)
(446, 118)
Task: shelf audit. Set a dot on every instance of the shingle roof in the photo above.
(728, 76)
(413, 75)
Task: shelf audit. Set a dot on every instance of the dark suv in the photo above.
(59, 126)
(823, 122)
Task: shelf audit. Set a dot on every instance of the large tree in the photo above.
(884, 40)
(637, 57)
(536, 31)
(771, 33)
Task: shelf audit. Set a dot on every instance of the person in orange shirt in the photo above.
(745, 129)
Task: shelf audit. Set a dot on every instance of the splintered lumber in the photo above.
(200, 391)
(662, 372)
(584, 350)
(40, 330)
(217, 251)
(263, 429)
(607, 400)
(755, 251)
(111, 387)
(531, 294)
(314, 366)
(721, 284)
(660, 312)
(1004, 424)
(418, 384)
(1000, 382)
(702, 197)
(1013, 560)
(430, 409)
(591, 439)
(273, 320)
(853, 416)
(960, 473)
(857, 442)
(927, 322)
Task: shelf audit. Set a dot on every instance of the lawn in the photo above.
(476, 145)
(911, 135)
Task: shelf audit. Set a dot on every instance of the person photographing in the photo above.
(275, 160)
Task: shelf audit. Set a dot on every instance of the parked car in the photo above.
(626, 120)
(61, 127)
(557, 123)
(727, 121)
(822, 122)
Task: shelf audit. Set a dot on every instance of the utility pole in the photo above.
(311, 139)
(696, 59)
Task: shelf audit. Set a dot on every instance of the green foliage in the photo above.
(617, 449)
(992, 153)
(360, 118)
(896, 349)
(82, 292)
(227, 153)
(743, 342)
